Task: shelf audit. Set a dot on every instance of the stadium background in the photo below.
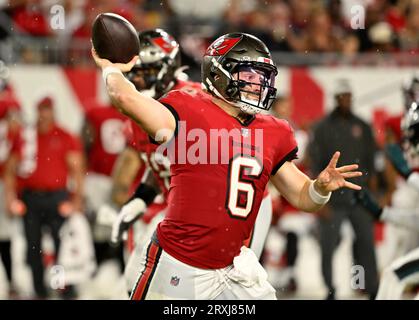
(312, 43)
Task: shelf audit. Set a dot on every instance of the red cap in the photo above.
(45, 102)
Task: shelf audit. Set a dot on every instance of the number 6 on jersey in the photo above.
(240, 189)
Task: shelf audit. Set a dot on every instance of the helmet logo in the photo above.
(265, 60)
(165, 43)
(221, 46)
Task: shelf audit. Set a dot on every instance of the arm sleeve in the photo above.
(287, 145)
(177, 102)
(407, 218)
(175, 114)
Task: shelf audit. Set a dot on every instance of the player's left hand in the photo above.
(103, 63)
(333, 178)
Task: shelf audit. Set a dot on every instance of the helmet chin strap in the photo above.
(244, 107)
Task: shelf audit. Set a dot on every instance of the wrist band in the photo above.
(108, 70)
(413, 180)
(317, 197)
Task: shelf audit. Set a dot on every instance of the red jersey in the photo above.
(212, 207)
(140, 141)
(107, 126)
(43, 158)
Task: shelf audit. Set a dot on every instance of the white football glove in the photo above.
(106, 215)
(129, 213)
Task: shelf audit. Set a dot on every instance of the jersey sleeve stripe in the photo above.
(289, 157)
(177, 119)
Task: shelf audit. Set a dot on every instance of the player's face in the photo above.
(45, 115)
(252, 83)
(144, 78)
(344, 101)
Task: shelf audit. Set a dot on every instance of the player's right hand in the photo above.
(103, 63)
(395, 154)
(129, 213)
(366, 200)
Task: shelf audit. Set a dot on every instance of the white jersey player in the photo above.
(404, 271)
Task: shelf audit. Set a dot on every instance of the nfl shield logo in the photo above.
(245, 132)
(174, 281)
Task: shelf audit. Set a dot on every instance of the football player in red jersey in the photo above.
(155, 74)
(215, 191)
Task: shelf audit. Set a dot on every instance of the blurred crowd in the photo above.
(302, 26)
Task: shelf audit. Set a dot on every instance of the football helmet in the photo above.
(411, 91)
(154, 73)
(238, 68)
(410, 129)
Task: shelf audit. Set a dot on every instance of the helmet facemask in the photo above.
(151, 79)
(249, 85)
(252, 87)
(154, 74)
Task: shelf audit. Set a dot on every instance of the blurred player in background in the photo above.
(400, 240)
(103, 140)
(403, 271)
(292, 222)
(157, 71)
(343, 130)
(37, 174)
(10, 126)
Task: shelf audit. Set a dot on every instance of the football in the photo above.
(114, 38)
